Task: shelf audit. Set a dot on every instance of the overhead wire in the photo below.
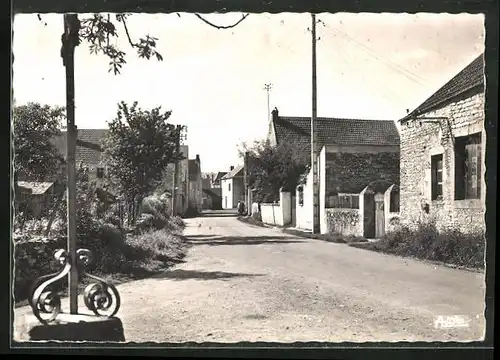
(396, 67)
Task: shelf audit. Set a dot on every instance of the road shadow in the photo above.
(218, 213)
(214, 240)
(180, 274)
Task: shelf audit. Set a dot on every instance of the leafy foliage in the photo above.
(35, 125)
(139, 146)
(271, 167)
(99, 30)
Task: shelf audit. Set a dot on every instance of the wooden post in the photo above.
(71, 27)
(314, 154)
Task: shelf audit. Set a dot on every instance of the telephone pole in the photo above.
(314, 153)
(268, 88)
(176, 170)
(69, 42)
(179, 137)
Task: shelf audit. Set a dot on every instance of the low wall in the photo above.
(278, 214)
(344, 221)
(271, 214)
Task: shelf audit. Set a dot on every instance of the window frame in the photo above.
(435, 183)
(468, 184)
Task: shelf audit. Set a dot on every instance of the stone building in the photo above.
(358, 162)
(442, 155)
(195, 195)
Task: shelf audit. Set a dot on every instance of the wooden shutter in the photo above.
(473, 170)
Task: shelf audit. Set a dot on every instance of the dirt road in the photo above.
(247, 283)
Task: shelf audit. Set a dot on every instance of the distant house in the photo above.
(39, 194)
(212, 199)
(358, 163)
(232, 187)
(217, 179)
(88, 150)
(195, 184)
(206, 182)
(443, 155)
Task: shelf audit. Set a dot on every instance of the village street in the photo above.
(246, 283)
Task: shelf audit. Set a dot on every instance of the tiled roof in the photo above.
(220, 175)
(333, 131)
(35, 187)
(87, 147)
(213, 192)
(472, 76)
(233, 172)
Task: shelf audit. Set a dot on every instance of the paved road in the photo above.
(247, 283)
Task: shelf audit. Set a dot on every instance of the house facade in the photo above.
(195, 194)
(358, 162)
(232, 187)
(88, 151)
(443, 155)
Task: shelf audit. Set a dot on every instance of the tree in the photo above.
(272, 167)
(139, 146)
(35, 126)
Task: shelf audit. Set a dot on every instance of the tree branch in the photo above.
(127, 32)
(219, 26)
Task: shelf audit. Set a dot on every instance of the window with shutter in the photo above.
(468, 167)
(437, 177)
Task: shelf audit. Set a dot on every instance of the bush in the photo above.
(160, 245)
(113, 254)
(426, 242)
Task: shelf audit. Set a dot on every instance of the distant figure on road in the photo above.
(241, 207)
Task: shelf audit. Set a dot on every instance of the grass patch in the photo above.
(427, 243)
(335, 238)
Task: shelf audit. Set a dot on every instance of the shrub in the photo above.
(158, 244)
(178, 222)
(427, 242)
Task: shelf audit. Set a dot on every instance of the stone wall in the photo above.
(351, 172)
(344, 221)
(421, 140)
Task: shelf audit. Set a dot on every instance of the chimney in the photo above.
(231, 168)
(275, 114)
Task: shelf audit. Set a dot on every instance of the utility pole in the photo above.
(314, 153)
(245, 179)
(268, 88)
(176, 169)
(69, 41)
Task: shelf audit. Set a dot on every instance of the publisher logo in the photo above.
(451, 321)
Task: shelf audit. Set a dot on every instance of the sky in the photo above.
(369, 66)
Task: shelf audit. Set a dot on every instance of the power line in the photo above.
(385, 92)
(396, 67)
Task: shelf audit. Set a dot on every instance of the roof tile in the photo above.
(233, 172)
(334, 131)
(472, 76)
